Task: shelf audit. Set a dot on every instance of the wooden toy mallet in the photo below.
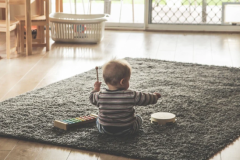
(97, 73)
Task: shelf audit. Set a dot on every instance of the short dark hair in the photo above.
(115, 70)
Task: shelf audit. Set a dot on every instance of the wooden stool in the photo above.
(6, 25)
(36, 20)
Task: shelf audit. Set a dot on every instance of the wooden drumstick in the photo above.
(97, 72)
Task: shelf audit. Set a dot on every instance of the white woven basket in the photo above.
(77, 28)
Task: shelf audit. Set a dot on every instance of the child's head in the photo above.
(117, 73)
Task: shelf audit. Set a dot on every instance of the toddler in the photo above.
(116, 103)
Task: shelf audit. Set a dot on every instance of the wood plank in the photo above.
(47, 25)
(5, 69)
(7, 144)
(30, 80)
(165, 55)
(38, 45)
(41, 33)
(34, 40)
(77, 154)
(14, 74)
(25, 150)
(61, 5)
(41, 28)
(39, 9)
(28, 28)
(50, 152)
(216, 157)
(2, 6)
(16, 2)
(21, 37)
(232, 151)
(57, 5)
(7, 11)
(37, 40)
(18, 37)
(184, 56)
(11, 28)
(3, 154)
(202, 57)
(3, 47)
(33, 18)
(3, 23)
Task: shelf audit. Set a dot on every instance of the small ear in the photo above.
(122, 81)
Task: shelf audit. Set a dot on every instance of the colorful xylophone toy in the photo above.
(73, 122)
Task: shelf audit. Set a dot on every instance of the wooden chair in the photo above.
(36, 20)
(7, 26)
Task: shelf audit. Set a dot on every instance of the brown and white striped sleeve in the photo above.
(94, 97)
(143, 99)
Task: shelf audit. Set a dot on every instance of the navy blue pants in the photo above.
(120, 130)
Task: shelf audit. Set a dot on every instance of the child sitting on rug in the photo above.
(116, 104)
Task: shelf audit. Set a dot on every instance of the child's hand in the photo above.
(97, 86)
(157, 94)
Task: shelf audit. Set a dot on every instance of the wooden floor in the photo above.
(22, 74)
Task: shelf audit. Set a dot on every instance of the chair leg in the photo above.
(41, 33)
(57, 6)
(21, 36)
(8, 48)
(17, 39)
(61, 5)
(47, 37)
(8, 35)
(38, 34)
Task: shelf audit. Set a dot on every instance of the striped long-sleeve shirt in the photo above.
(116, 108)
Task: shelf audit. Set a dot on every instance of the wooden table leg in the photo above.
(61, 5)
(18, 38)
(28, 27)
(57, 5)
(40, 29)
(7, 10)
(21, 37)
(47, 27)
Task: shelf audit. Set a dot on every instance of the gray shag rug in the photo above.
(205, 99)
